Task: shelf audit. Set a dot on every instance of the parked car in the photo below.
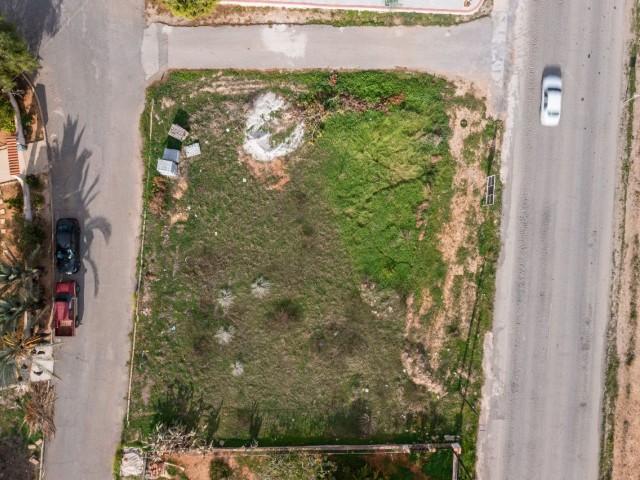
(65, 309)
(551, 103)
(67, 245)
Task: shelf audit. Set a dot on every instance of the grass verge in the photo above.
(613, 362)
(234, 14)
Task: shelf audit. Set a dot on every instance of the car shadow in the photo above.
(74, 189)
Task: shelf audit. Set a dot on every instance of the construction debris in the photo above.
(171, 154)
(132, 463)
(177, 132)
(192, 150)
(167, 168)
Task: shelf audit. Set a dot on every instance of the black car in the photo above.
(67, 245)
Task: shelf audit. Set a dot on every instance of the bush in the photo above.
(7, 123)
(37, 200)
(33, 181)
(219, 470)
(17, 202)
(27, 236)
(191, 8)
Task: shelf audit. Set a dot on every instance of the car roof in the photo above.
(554, 102)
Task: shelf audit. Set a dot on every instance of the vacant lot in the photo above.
(335, 294)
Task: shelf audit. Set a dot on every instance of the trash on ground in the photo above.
(132, 463)
(192, 150)
(171, 154)
(177, 132)
(167, 168)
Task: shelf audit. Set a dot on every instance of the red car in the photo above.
(65, 309)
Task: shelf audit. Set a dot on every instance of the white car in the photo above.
(551, 102)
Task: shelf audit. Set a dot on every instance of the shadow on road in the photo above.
(74, 190)
(34, 19)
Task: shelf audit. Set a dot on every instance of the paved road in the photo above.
(94, 91)
(461, 51)
(542, 413)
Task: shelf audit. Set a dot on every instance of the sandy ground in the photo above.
(626, 461)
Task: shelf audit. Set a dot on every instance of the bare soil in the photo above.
(626, 461)
(458, 234)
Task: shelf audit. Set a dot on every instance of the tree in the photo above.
(15, 57)
(15, 350)
(17, 274)
(12, 308)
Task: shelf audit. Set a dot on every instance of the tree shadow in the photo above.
(178, 407)
(212, 423)
(34, 19)
(354, 420)
(75, 189)
(255, 421)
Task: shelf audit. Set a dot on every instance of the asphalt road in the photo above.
(542, 413)
(92, 87)
(463, 51)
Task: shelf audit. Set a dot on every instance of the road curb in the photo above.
(338, 6)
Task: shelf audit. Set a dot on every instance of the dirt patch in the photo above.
(626, 461)
(178, 217)
(196, 465)
(272, 174)
(459, 249)
(231, 86)
(180, 188)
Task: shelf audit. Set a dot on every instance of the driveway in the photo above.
(92, 87)
(541, 416)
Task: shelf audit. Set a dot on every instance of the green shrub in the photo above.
(27, 236)
(7, 123)
(37, 200)
(17, 202)
(191, 8)
(33, 181)
(219, 470)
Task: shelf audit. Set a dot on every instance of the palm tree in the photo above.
(15, 273)
(15, 350)
(12, 308)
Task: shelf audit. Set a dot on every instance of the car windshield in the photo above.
(63, 297)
